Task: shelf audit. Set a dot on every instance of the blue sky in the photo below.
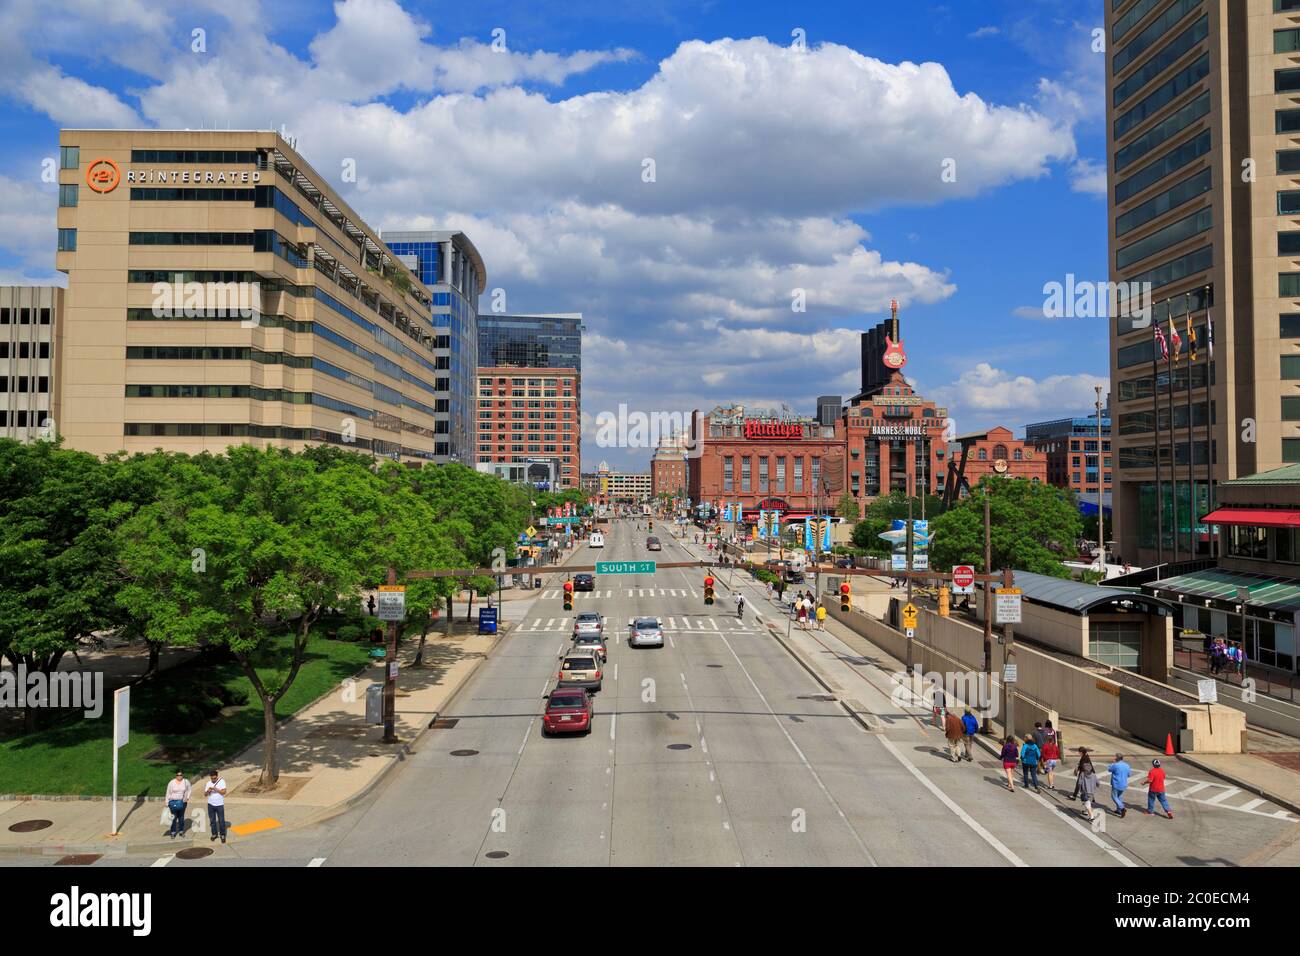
(775, 169)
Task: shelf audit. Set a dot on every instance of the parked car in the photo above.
(579, 670)
(568, 711)
(645, 632)
(584, 582)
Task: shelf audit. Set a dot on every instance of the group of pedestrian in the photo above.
(1121, 772)
(1042, 748)
(960, 732)
(178, 798)
(1225, 656)
(809, 613)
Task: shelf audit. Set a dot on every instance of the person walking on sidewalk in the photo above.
(215, 791)
(1119, 774)
(954, 730)
(1039, 737)
(970, 727)
(1085, 764)
(1156, 789)
(1051, 757)
(1010, 757)
(178, 795)
(1030, 755)
(1087, 787)
(821, 616)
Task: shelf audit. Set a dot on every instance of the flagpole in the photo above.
(1209, 447)
(1173, 448)
(1191, 475)
(1155, 424)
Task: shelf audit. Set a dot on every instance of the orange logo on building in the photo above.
(894, 356)
(103, 176)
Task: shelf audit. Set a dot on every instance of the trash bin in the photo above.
(537, 582)
(375, 704)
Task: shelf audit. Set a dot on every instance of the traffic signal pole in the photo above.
(988, 607)
(390, 675)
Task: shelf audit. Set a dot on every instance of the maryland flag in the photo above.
(1191, 341)
(1175, 343)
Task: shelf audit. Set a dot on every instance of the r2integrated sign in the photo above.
(391, 605)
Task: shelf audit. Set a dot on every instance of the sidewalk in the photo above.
(329, 759)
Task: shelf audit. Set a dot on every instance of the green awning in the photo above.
(1266, 592)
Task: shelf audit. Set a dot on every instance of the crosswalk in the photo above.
(1221, 795)
(556, 593)
(675, 625)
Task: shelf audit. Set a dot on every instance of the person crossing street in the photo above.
(954, 730)
(970, 727)
(1156, 789)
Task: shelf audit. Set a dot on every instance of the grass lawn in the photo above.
(74, 755)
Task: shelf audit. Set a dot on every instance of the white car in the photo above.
(597, 540)
(645, 632)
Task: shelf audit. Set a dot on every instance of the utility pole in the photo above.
(988, 606)
(1101, 514)
(1009, 657)
(390, 675)
(909, 579)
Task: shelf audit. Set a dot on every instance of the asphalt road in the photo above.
(714, 750)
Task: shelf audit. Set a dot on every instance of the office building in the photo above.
(221, 292)
(1070, 448)
(528, 417)
(29, 328)
(530, 341)
(1204, 210)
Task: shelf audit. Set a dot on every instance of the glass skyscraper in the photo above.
(447, 262)
(530, 341)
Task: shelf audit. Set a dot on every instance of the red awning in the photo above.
(1257, 517)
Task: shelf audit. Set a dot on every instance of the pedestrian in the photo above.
(821, 616)
(1051, 757)
(1039, 737)
(769, 590)
(178, 796)
(802, 612)
(970, 727)
(1087, 787)
(1241, 660)
(1010, 756)
(370, 605)
(1119, 774)
(1156, 789)
(1217, 656)
(215, 791)
(954, 730)
(1085, 764)
(1030, 755)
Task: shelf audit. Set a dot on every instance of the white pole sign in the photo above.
(121, 735)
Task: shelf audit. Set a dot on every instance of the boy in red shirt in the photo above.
(1156, 789)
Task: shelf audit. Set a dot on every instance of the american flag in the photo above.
(1160, 341)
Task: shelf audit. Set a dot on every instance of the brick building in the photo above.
(997, 452)
(1070, 447)
(529, 417)
(668, 467)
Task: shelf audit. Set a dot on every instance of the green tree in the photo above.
(1033, 527)
(848, 507)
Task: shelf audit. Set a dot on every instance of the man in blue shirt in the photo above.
(1119, 774)
(971, 727)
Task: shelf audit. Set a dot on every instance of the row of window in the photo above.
(1135, 388)
(550, 382)
(1151, 34)
(1163, 131)
(1145, 350)
(196, 157)
(1161, 203)
(24, 350)
(1165, 93)
(1158, 169)
(1167, 56)
(22, 315)
(22, 418)
(1171, 235)
(191, 238)
(1194, 300)
(25, 383)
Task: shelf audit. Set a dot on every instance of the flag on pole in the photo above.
(1160, 341)
(1191, 341)
(1175, 343)
(1209, 336)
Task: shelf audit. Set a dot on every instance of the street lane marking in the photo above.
(316, 861)
(1068, 817)
(948, 802)
(161, 861)
(1220, 797)
(1252, 804)
(527, 733)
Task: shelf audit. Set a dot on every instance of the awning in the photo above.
(1257, 517)
(1217, 584)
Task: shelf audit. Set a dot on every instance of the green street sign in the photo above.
(625, 567)
(574, 519)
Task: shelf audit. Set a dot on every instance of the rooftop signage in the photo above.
(758, 428)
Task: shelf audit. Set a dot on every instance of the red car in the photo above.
(568, 711)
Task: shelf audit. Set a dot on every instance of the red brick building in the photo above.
(998, 452)
(668, 470)
(530, 415)
(895, 443)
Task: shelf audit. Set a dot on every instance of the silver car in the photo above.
(588, 643)
(589, 622)
(645, 632)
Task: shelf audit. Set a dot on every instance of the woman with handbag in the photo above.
(178, 795)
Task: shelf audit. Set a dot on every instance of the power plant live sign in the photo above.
(625, 567)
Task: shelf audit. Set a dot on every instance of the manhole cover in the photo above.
(194, 853)
(443, 723)
(464, 753)
(30, 826)
(79, 859)
(496, 854)
(679, 746)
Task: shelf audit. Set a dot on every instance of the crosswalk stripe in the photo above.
(1252, 804)
(1196, 788)
(1220, 797)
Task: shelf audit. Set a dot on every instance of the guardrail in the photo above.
(1267, 681)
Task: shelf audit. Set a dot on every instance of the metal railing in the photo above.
(1270, 682)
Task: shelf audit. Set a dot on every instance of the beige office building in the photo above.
(29, 320)
(220, 292)
(1203, 111)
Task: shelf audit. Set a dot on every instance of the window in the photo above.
(68, 195)
(1161, 132)
(67, 240)
(1158, 205)
(1282, 6)
(1170, 235)
(1286, 41)
(1288, 285)
(798, 474)
(69, 157)
(1168, 55)
(1170, 162)
(984, 454)
(728, 475)
(1019, 455)
(1151, 34)
(1165, 93)
(1286, 81)
(744, 473)
(1286, 121)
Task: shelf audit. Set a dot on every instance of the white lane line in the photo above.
(777, 720)
(1195, 788)
(613, 718)
(527, 733)
(947, 801)
(1086, 831)
(316, 861)
(672, 623)
(704, 745)
(671, 641)
(616, 670)
(537, 624)
(162, 861)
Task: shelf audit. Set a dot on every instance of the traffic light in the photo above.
(846, 597)
(708, 590)
(650, 525)
(568, 595)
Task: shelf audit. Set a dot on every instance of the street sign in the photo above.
(392, 670)
(1007, 605)
(392, 602)
(625, 567)
(911, 632)
(1207, 691)
(963, 579)
(910, 614)
(1009, 673)
(531, 532)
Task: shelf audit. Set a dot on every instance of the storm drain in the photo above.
(443, 723)
(496, 854)
(194, 853)
(78, 859)
(30, 826)
(679, 746)
(464, 753)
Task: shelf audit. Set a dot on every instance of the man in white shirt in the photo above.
(215, 790)
(178, 795)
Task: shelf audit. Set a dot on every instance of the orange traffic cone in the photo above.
(1169, 745)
